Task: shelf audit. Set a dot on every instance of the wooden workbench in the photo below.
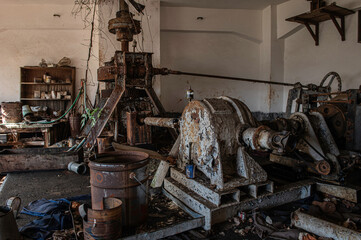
(51, 133)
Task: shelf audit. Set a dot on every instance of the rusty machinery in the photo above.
(129, 72)
(228, 146)
(327, 130)
(218, 136)
(214, 136)
(132, 72)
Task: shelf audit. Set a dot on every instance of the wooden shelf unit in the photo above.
(318, 15)
(60, 74)
(32, 83)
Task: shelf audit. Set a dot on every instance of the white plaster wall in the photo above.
(30, 32)
(306, 63)
(226, 42)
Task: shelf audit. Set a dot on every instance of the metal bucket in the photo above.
(104, 224)
(112, 175)
(26, 110)
(104, 144)
(11, 112)
(8, 227)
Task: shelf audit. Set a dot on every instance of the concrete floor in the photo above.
(32, 186)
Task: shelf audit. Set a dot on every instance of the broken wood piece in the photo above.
(348, 193)
(323, 228)
(160, 174)
(36, 159)
(152, 154)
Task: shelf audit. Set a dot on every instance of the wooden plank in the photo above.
(160, 174)
(36, 159)
(359, 26)
(169, 231)
(107, 111)
(152, 154)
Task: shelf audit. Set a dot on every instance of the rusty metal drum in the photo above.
(123, 175)
(104, 224)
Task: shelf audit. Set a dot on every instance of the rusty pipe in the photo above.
(162, 122)
(263, 138)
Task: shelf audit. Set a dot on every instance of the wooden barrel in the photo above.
(11, 112)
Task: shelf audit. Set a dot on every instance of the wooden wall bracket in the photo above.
(315, 34)
(316, 16)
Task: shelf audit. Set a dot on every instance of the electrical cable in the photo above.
(62, 116)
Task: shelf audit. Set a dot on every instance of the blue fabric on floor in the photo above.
(54, 215)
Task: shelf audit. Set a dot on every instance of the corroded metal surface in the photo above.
(124, 25)
(335, 118)
(106, 223)
(309, 137)
(112, 175)
(137, 132)
(210, 139)
(162, 122)
(263, 138)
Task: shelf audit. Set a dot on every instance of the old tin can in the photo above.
(104, 224)
(190, 171)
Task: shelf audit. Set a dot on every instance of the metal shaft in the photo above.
(162, 122)
(230, 78)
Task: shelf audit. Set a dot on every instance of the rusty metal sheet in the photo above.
(107, 73)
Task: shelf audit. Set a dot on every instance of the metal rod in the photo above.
(327, 94)
(162, 122)
(231, 78)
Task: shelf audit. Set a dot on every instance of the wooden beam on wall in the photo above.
(359, 27)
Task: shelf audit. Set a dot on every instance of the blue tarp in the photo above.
(53, 215)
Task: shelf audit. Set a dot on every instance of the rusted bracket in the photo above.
(315, 35)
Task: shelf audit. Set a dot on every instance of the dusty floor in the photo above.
(36, 185)
(59, 184)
